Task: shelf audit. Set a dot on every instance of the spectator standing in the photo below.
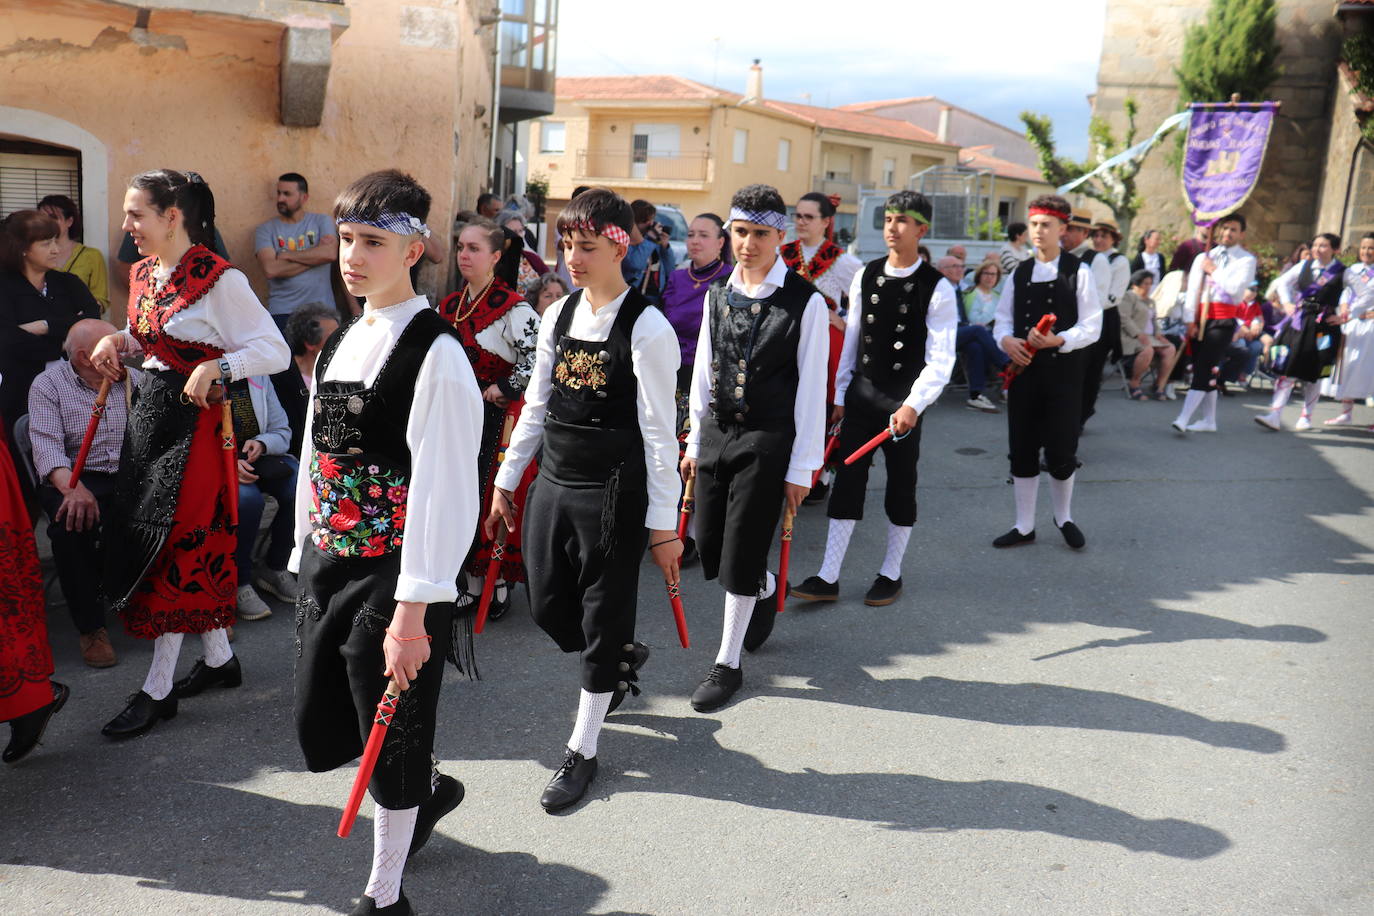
(685, 296)
(60, 405)
(265, 468)
(297, 251)
(306, 331)
(649, 260)
(1188, 250)
(76, 258)
(545, 291)
(1354, 376)
(1077, 234)
(488, 206)
(1139, 340)
(38, 306)
(1015, 250)
(1112, 274)
(973, 339)
(1148, 257)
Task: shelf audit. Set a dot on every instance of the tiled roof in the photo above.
(855, 122)
(888, 103)
(654, 86)
(979, 157)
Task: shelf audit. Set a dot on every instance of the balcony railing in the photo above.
(621, 164)
(848, 190)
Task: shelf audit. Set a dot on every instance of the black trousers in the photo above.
(1043, 406)
(345, 607)
(1210, 352)
(583, 596)
(1095, 359)
(80, 555)
(862, 423)
(739, 497)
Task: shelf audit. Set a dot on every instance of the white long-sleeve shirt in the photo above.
(1089, 326)
(443, 431)
(1289, 293)
(656, 357)
(942, 323)
(1112, 276)
(1234, 273)
(230, 317)
(813, 351)
(1359, 290)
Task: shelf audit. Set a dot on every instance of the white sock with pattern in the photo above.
(162, 672)
(770, 585)
(392, 831)
(591, 713)
(1061, 494)
(1310, 396)
(1209, 409)
(1027, 489)
(897, 537)
(836, 543)
(1191, 400)
(1283, 390)
(215, 644)
(738, 610)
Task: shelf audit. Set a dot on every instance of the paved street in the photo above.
(1177, 720)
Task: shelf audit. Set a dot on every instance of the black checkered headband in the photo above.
(397, 223)
(771, 218)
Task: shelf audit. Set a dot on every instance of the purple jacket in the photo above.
(683, 299)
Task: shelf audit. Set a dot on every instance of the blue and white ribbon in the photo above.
(398, 223)
(771, 218)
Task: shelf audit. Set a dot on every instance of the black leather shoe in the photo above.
(202, 676)
(498, 607)
(569, 783)
(1013, 538)
(816, 589)
(1072, 536)
(884, 592)
(142, 713)
(27, 730)
(368, 907)
(817, 495)
(639, 654)
(689, 552)
(761, 622)
(447, 795)
(720, 685)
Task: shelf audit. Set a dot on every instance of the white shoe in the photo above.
(1179, 427)
(1202, 426)
(1344, 419)
(1270, 421)
(981, 403)
(251, 605)
(1304, 423)
(278, 582)
(1170, 391)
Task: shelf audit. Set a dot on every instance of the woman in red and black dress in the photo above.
(28, 695)
(499, 331)
(196, 324)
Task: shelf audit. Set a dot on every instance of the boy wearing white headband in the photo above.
(897, 357)
(757, 423)
(384, 517)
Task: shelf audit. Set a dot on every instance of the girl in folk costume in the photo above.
(499, 332)
(1309, 337)
(196, 324)
(28, 695)
(600, 406)
(1354, 376)
(384, 517)
(708, 259)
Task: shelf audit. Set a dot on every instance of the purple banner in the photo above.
(1223, 157)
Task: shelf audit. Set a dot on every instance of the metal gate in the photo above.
(22, 188)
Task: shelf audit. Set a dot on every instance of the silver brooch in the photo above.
(897, 345)
(604, 356)
(355, 404)
(882, 280)
(869, 318)
(873, 298)
(896, 367)
(901, 328)
(755, 309)
(739, 393)
(901, 310)
(909, 286)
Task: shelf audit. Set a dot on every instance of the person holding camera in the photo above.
(648, 259)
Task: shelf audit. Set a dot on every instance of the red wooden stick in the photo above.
(231, 464)
(829, 453)
(869, 446)
(689, 502)
(784, 556)
(498, 552)
(386, 708)
(679, 617)
(1044, 325)
(97, 412)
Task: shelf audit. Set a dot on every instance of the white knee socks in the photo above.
(591, 713)
(163, 670)
(1310, 396)
(1283, 390)
(391, 834)
(738, 610)
(897, 537)
(216, 646)
(1209, 409)
(836, 543)
(1191, 400)
(1026, 489)
(1061, 494)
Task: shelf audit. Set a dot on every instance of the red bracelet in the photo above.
(409, 638)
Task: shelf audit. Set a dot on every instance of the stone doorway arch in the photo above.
(26, 124)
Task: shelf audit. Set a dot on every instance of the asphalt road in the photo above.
(1176, 720)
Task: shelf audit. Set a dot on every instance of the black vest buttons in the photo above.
(901, 309)
(739, 393)
(739, 379)
(604, 356)
(882, 280)
(355, 451)
(755, 309)
(897, 344)
(743, 364)
(865, 359)
(355, 405)
(909, 287)
(901, 328)
(873, 298)
(715, 365)
(869, 318)
(602, 393)
(896, 366)
(868, 338)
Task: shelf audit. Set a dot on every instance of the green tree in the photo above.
(1115, 186)
(1235, 50)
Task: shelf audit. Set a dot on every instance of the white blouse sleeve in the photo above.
(525, 439)
(250, 339)
(522, 333)
(1089, 326)
(942, 320)
(442, 509)
(1288, 284)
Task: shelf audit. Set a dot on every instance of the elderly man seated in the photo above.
(60, 404)
(973, 342)
(1140, 344)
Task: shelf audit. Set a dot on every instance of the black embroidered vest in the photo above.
(754, 352)
(1328, 296)
(892, 350)
(360, 466)
(1031, 301)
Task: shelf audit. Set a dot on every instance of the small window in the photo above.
(552, 136)
(889, 172)
(784, 155)
(741, 146)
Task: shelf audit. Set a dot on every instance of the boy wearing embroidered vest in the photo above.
(897, 358)
(383, 519)
(1045, 401)
(758, 423)
(600, 403)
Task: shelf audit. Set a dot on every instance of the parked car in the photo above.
(671, 218)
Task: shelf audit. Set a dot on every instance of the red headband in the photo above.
(609, 230)
(1050, 211)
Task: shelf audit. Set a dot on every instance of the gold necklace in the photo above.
(467, 293)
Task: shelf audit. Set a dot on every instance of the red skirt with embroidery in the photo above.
(25, 657)
(512, 562)
(192, 586)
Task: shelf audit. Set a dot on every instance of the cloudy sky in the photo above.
(995, 57)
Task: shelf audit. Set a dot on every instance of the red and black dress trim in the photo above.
(498, 299)
(824, 259)
(151, 307)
